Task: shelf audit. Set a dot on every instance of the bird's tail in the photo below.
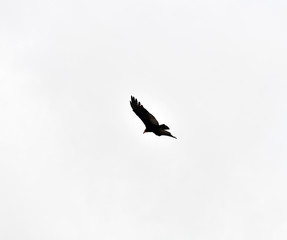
(166, 133)
(163, 126)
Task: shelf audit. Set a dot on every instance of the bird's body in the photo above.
(148, 119)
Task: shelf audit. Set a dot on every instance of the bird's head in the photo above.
(147, 130)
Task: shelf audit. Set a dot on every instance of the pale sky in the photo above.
(74, 163)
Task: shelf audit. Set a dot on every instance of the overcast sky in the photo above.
(74, 163)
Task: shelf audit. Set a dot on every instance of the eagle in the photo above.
(149, 120)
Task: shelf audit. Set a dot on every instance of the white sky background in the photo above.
(74, 163)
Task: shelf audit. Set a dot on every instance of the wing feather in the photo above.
(147, 118)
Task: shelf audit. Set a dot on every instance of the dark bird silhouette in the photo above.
(148, 119)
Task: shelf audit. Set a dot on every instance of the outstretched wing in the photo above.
(147, 118)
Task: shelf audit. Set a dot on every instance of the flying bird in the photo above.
(148, 119)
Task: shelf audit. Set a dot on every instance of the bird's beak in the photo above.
(144, 132)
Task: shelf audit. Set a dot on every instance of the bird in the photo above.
(149, 120)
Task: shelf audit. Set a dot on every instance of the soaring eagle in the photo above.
(148, 119)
